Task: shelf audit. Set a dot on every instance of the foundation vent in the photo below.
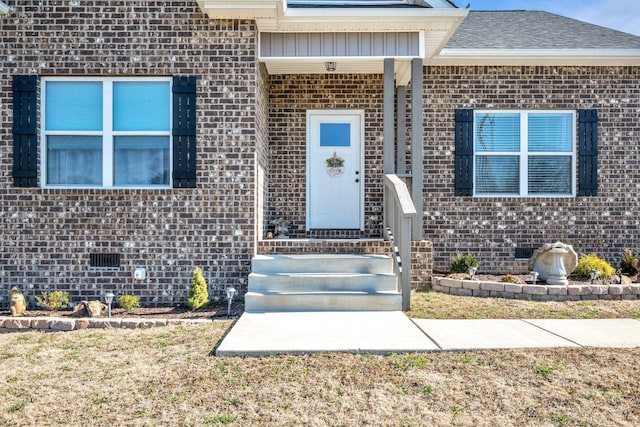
(524, 253)
(104, 260)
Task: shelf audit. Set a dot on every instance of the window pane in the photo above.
(550, 175)
(497, 132)
(74, 106)
(335, 134)
(141, 160)
(74, 160)
(141, 106)
(497, 175)
(550, 132)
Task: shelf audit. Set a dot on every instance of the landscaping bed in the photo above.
(141, 317)
(493, 286)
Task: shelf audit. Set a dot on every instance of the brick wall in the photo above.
(47, 235)
(290, 98)
(492, 228)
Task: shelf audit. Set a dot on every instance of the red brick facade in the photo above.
(251, 155)
(492, 228)
(48, 234)
(290, 98)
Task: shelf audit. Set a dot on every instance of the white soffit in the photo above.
(4, 8)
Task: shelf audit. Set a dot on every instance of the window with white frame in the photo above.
(524, 153)
(111, 132)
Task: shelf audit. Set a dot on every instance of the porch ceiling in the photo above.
(343, 66)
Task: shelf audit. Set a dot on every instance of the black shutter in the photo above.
(184, 132)
(588, 153)
(25, 133)
(464, 153)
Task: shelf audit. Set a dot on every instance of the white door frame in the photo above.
(361, 176)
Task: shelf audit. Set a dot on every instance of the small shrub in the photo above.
(128, 302)
(198, 293)
(461, 263)
(509, 278)
(630, 263)
(55, 300)
(588, 262)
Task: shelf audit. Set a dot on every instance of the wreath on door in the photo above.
(335, 166)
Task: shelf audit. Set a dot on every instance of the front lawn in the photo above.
(434, 305)
(168, 377)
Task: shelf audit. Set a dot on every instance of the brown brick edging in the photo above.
(56, 324)
(535, 292)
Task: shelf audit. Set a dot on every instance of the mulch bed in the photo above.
(218, 311)
(526, 279)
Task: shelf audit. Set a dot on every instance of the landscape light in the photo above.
(534, 276)
(108, 297)
(231, 292)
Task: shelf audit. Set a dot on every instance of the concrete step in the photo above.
(376, 264)
(323, 282)
(322, 301)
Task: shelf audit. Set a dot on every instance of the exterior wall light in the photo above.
(330, 65)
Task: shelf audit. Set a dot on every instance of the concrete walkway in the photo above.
(259, 334)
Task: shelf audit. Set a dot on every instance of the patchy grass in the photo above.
(435, 305)
(167, 376)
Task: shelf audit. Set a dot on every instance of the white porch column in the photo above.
(417, 148)
(401, 115)
(388, 122)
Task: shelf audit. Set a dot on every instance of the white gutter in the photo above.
(447, 52)
(4, 8)
(558, 57)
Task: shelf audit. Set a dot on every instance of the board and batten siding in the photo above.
(399, 44)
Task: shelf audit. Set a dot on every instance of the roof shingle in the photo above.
(535, 30)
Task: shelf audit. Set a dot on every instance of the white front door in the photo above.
(335, 181)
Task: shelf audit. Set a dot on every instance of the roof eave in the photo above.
(575, 57)
(273, 15)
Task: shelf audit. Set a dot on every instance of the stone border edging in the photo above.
(57, 324)
(535, 292)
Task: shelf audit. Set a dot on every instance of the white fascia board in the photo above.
(362, 19)
(557, 57)
(242, 9)
(380, 13)
(4, 8)
(596, 53)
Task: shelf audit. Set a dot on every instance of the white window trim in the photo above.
(523, 154)
(107, 133)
